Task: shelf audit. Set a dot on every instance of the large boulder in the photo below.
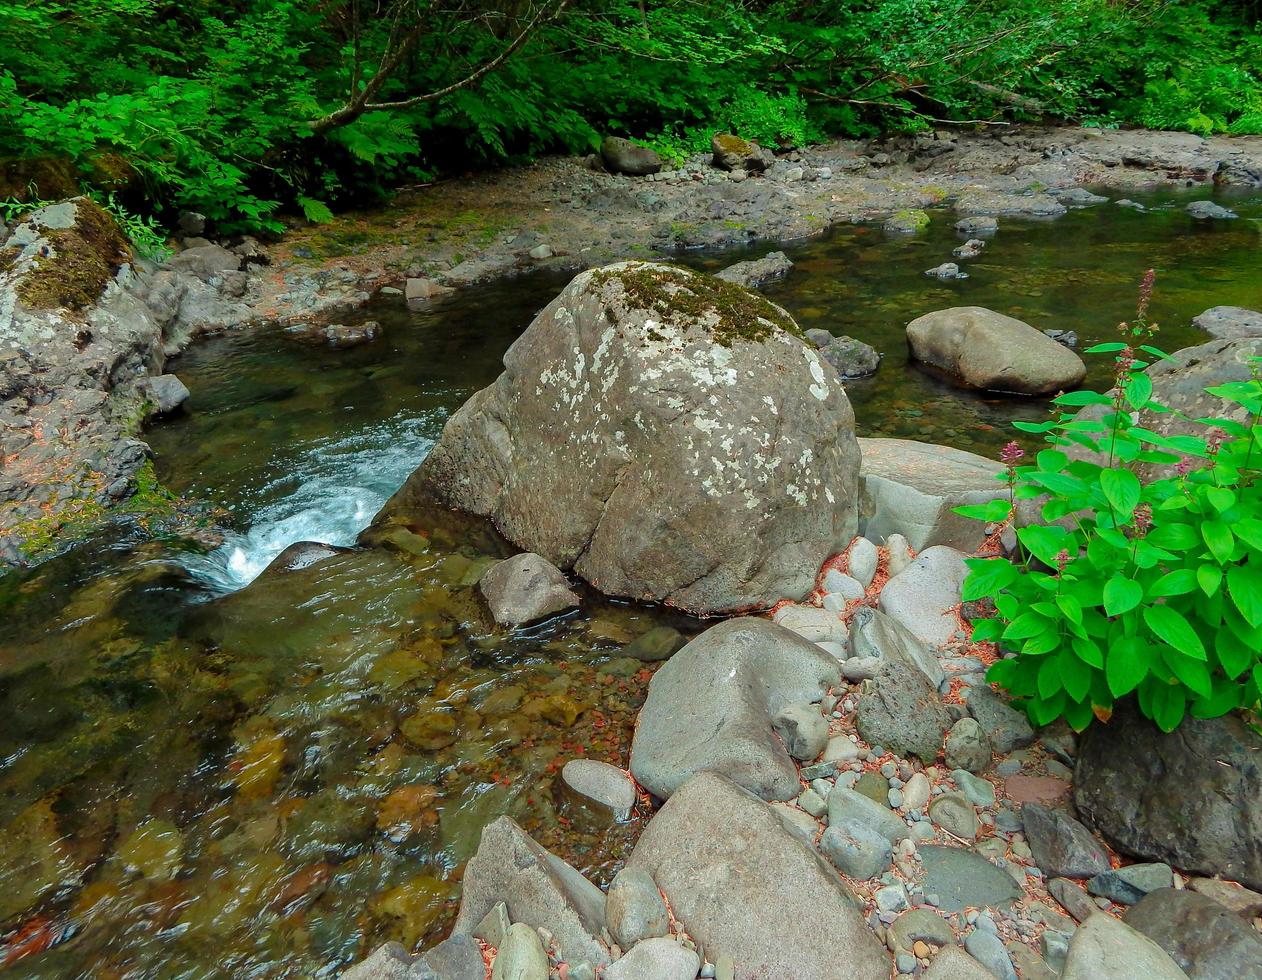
(1104, 947)
(988, 350)
(621, 156)
(715, 705)
(1207, 941)
(666, 435)
(744, 887)
(733, 153)
(1191, 798)
(538, 888)
(914, 487)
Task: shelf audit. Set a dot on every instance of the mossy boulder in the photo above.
(906, 223)
(666, 435)
(733, 153)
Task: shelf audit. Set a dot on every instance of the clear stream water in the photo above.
(202, 779)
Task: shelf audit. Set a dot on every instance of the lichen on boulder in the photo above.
(666, 435)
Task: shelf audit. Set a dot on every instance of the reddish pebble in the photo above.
(1036, 789)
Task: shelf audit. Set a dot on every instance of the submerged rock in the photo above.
(666, 435)
(607, 786)
(714, 704)
(851, 358)
(1209, 211)
(756, 272)
(525, 588)
(988, 350)
(744, 887)
(1192, 798)
(906, 223)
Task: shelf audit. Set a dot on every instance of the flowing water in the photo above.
(202, 779)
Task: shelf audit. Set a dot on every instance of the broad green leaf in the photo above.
(1220, 498)
(1076, 399)
(1218, 538)
(1234, 655)
(1209, 577)
(1125, 665)
(1169, 704)
(1178, 582)
(1138, 390)
(987, 629)
(1111, 347)
(1121, 489)
(988, 577)
(1024, 626)
(1071, 607)
(1122, 594)
(1088, 651)
(1172, 627)
(1194, 674)
(1244, 585)
(1052, 460)
(1049, 679)
(1074, 675)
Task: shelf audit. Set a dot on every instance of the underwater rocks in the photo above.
(666, 435)
(987, 350)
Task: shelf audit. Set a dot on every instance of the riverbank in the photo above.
(73, 414)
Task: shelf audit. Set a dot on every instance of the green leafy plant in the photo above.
(1144, 575)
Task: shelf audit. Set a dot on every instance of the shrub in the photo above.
(1148, 586)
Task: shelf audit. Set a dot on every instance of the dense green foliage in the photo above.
(1150, 586)
(217, 106)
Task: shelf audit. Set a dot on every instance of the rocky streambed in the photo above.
(275, 779)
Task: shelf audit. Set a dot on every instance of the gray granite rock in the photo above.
(902, 712)
(847, 804)
(963, 879)
(1073, 899)
(458, 957)
(538, 888)
(710, 707)
(968, 746)
(658, 959)
(1128, 884)
(803, 729)
(1227, 323)
(955, 964)
(1061, 846)
(389, 961)
(856, 849)
(873, 634)
(743, 887)
(634, 908)
(1007, 728)
(526, 588)
(986, 948)
(955, 814)
(522, 956)
(1206, 940)
(925, 595)
(602, 784)
(1104, 947)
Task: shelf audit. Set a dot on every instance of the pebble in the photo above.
(812, 803)
(980, 792)
(1072, 899)
(905, 963)
(916, 792)
(955, 814)
(986, 948)
(862, 560)
(891, 898)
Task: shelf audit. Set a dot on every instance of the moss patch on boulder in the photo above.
(731, 312)
(80, 262)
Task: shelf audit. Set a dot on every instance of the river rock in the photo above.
(1072, 898)
(856, 849)
(634, 909)
(963, 879)
(862, 559)
(539, 890)
(946, 271)
(1206, 940)
(845, 805)
(1061, 846)
(994, 352)
(606, 785)
(986, 948)
(1104, 947)
(522, 956)
(955, 964)
(971, 249)
(458, 957)
(978, 225)
(876, 635)
(1128, 884)
(655, 959)
(743, 887)
(525, 588)
(1242, 901)
(1192, 798)
(713, 705)
(851, 358)
(920, 925)
(968, 747)
(753, 273)
(955, 814)
(659, 643)
(733, 153)
(1007, 728)
(666, 435)
(165, 394)
(803, 729)
(1077, 197)
(902, 712)
(1209, 211)
(925, 596)
(914, 487)
(621, 156)
(389, 961)
(1229, 322)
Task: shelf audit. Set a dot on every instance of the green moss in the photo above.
(82, 261)
(727, 143)
(731, 312)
